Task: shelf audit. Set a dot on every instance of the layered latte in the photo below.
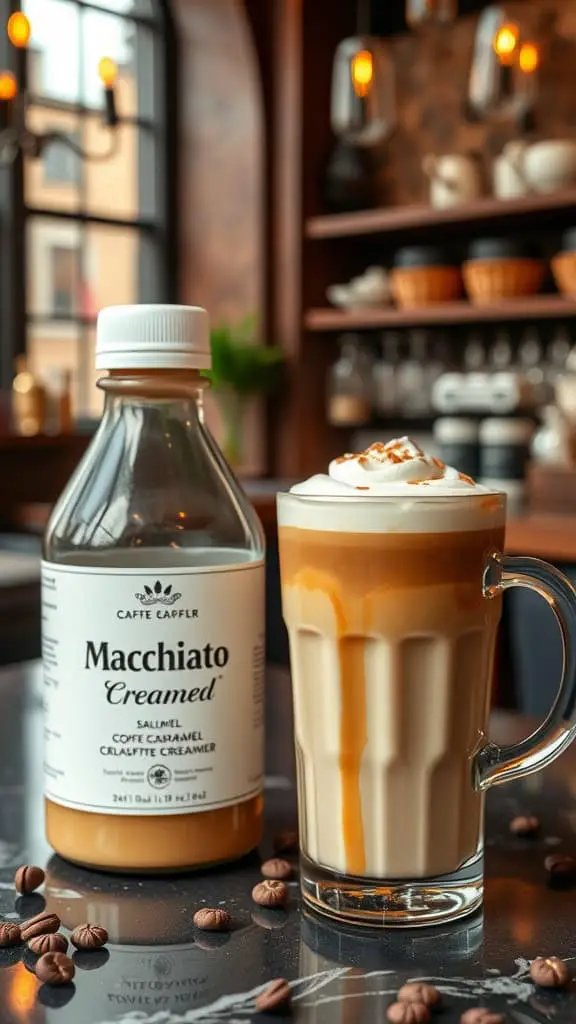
(392, 644)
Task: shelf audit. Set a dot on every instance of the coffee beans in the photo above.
(561, 870)
(9, 934)
(270, 893)
(212, 920)
(275, 997)
(55, 969)
(276, 868)
(408, 1013)
(286, 842)
(525, 826)
(42, 924)
(549, 972)
(89, 936)
(419, 992)
(28, 877)
(56, 943)
(480, 1015)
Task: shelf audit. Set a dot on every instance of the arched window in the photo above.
(95, 231)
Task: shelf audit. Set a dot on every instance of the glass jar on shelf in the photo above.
(384, 375)
(413, 388)
(350, 385)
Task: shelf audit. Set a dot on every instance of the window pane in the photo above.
(112, 265)
(54, 45)
(53, 179)
(54, 351)
(125, 185)
(56, 281)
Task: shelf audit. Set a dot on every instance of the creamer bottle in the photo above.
(153, 620)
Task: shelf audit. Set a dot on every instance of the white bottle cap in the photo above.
(153, 337)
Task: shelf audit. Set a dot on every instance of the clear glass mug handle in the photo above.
(493, 764)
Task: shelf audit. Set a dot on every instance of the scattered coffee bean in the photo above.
(549, 972)
(212, 920)
(419, 992)
(561, 869)
(525, 826)
(42, 924)
(480, 1015)
(276, 868)
(9, 934)
(276, 996)
(270, 893)
(408, 1013)
(55, 969)
(28, 878)
(89, 936)
(286, 842)
(56, 943)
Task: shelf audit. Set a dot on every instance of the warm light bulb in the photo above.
(505, 42)
(108, 72)
(8, 86)
(18, 30)
(529, 58)
(362, 71)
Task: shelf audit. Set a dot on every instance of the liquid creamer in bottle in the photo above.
(153, 620)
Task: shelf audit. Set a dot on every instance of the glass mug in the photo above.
(392, 609)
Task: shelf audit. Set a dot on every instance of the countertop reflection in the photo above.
(158, 969)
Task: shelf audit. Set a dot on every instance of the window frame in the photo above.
(16, 214)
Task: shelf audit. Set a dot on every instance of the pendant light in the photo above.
(504, 75)
(363, 106)
(425, 12)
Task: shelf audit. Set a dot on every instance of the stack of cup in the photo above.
(504, 454)
(457, 440)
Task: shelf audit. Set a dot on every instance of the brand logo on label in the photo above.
(157, 595)
(159, 776)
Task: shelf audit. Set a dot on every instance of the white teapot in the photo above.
(455, 178)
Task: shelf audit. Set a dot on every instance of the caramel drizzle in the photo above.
(353, 739)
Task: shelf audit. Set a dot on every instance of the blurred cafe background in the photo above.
(374, 199)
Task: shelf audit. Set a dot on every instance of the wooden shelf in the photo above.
(541, 307)
(411, 218)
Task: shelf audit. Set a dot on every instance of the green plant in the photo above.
(240, 365)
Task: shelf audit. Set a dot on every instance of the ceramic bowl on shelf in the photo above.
(550, 165)
(372, 288)
(564, 265)
(500, 268)
(424, 276)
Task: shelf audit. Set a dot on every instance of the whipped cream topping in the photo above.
(397, 468)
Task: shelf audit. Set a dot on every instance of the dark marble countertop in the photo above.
(158, 969)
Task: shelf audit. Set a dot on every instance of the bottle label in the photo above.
(154, 687)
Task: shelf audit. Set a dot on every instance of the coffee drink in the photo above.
(392, 644)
